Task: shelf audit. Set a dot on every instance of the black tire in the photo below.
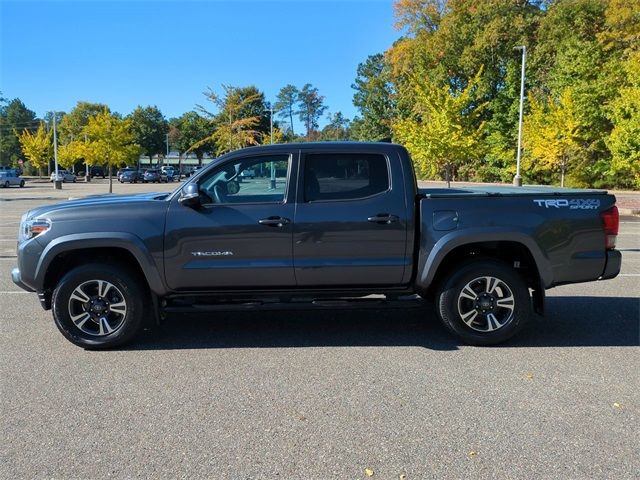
(21, 183)
(450, 302)
(127, 325)
(7, 184)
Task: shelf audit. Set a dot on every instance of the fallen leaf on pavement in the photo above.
(369, 472)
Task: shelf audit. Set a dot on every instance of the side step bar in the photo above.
(371, 302)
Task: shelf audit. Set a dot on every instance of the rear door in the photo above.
(241, 237)
(351, 220)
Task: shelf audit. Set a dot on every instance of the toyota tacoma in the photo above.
(317, 225)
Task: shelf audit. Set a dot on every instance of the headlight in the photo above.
(32, 228)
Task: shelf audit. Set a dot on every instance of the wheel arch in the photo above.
(69, 251)
(516, 249)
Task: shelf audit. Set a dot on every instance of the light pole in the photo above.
(272, 184)
(57, 184)
(517, 180)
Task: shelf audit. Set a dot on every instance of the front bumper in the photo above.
(17, 279)
(612, 267)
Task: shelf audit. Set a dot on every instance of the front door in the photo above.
(241, 237)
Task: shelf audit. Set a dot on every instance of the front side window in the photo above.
(344, 176)
(261, 179)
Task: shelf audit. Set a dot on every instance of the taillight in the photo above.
(611, 223)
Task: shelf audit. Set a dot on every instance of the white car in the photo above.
(64, 176)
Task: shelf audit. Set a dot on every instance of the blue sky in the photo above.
(166, 53)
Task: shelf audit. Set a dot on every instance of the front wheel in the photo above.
(21, 183)
(99, 306)
(484, 303)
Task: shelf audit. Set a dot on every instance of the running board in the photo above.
(372, 302)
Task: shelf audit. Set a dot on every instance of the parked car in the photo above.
(97, 171)
(151, 175)
(124, 169)
(346, 220)
(194, 170)
(9, 178)
(250, 173)
(130, 176)
(167, 174)
(63, 176)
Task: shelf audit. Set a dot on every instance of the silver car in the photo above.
(10, 177)
(64, 176)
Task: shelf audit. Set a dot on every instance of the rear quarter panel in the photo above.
(563, 233)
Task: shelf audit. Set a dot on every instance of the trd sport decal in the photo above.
(573, 204)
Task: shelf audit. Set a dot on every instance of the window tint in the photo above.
(260, 179)
(344, 176)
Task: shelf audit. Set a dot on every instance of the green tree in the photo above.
(37, 147)
(443, 132)
(311, 107)
(374, 99)
(338, 128)
(188, 130)
(14, 117)
(286, 102)
(624, 141)
(150, 129)
(237, 123)
(111, 138)
(71, 125)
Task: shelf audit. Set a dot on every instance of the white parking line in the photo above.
(11, 291)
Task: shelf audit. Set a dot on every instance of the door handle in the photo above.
(383, 218)
(274, 221)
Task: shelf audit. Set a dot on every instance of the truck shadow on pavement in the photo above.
(569, 322)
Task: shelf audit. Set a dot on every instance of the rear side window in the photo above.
(344, 176)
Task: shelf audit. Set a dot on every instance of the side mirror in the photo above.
(190, 196)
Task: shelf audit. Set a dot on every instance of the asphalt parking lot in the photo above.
(322, 394)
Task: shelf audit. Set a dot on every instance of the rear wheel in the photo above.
(98, 306)
(21, 183)
(6, 184)
(484, 303)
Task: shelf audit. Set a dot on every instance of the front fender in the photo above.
(126, 241)
(429, 262)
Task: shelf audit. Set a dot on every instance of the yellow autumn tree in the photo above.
(234, 127)
(444, 130)
(110, 139)
(551, 135)
(37, 147)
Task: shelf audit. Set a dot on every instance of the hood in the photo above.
(98, 200)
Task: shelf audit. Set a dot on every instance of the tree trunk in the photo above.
(150, 161)
(291, 119)
(199, 155)
(447, 173)
(110, 180)
(562, 170)
(179, 165)
(40, 173)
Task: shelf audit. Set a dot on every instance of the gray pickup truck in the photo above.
(318, 225)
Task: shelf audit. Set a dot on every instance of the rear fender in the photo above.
(429, 262)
